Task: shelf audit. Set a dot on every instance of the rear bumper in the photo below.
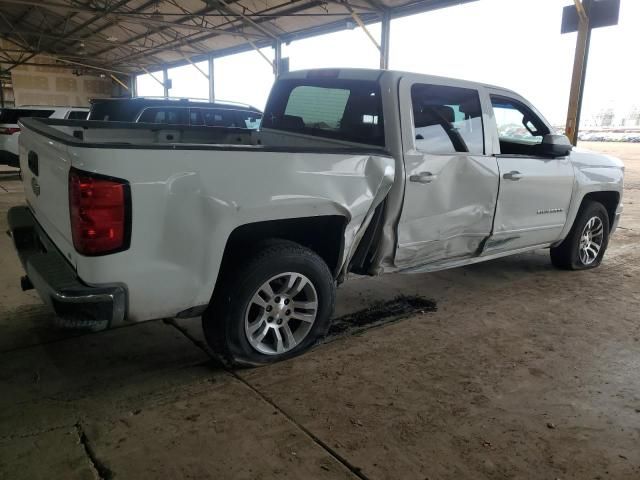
(78, 304)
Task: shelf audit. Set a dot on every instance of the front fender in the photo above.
(594, 172)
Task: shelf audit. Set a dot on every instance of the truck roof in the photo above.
(373, 74)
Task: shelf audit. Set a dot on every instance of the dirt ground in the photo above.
(523, 371)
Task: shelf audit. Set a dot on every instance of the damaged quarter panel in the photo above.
(181, 221)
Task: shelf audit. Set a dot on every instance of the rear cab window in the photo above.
(347, 110)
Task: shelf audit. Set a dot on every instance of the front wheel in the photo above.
(274, 306)
(587, 241)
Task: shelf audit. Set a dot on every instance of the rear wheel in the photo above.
(274, 306)
(587, 241)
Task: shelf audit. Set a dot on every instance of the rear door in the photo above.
(451, 184)
(535, 191)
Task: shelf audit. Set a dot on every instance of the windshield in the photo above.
(349, 110)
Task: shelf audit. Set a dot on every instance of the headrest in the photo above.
(291, 122)
(433, 115)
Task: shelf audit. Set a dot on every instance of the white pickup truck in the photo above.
(10, 132)
(358, 171)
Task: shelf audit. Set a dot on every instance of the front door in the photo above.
(535, 191)
(451, 186)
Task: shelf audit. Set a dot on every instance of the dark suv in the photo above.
(175, 112)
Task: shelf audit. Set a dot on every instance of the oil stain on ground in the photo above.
(381, 313)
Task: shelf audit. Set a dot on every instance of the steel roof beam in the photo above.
(175, 23)
(259, 43)
(338, 25)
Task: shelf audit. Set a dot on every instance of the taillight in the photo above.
(100, 209)
(8, 130)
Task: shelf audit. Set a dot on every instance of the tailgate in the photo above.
(45, 165)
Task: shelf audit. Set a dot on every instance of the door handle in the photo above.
(514, 175)
(423, 177)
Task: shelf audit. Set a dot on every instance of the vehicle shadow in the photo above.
(142, 363)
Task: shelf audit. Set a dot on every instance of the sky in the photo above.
(511, 43)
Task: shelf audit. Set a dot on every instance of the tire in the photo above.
(244, 322)
(570, 254)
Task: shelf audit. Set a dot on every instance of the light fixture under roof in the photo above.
(112, 39)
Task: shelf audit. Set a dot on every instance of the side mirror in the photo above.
(555, 145)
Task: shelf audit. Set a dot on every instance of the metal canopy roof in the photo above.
(130, 35)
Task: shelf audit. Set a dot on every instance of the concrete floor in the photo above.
(523, 372)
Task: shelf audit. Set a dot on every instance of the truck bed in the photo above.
(96, 134)
(190, 188)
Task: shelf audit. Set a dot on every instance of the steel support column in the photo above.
(165, 81)
(384, 40)
(277, 64)
(133, 85)
(212, 91)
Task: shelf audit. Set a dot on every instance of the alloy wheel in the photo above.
(281, 313)
(591, 241)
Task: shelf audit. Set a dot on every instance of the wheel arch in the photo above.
(608, 198)
(325, 235)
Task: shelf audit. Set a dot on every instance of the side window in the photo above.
(195, 117)
(248, 119)
(219, 118)
(77, 115)
(36, 113)
(517, 124)
(152, 115)
(447, 119)
(165, 115)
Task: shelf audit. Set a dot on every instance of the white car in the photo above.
(10, 131)
(361, 171)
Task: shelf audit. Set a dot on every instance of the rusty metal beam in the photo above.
(126, 87)
(153, 76)
(578, 75)
(364, 28)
